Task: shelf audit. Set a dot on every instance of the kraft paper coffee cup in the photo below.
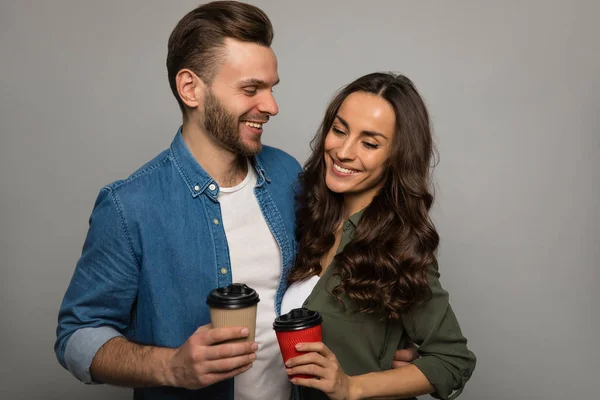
(234, 305)
(300, 325)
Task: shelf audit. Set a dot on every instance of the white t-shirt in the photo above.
(256, 261)
(297, 293)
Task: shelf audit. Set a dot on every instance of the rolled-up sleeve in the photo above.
(97, 304)
(445, 359)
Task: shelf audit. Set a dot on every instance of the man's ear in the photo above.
(190, 88)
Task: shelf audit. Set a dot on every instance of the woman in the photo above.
(366, 258)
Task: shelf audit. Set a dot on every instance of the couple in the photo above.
(349, 237)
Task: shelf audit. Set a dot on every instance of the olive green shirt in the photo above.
(365, 343)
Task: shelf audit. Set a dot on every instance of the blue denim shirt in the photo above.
(154, 250)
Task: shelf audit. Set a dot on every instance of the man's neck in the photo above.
(225, 167)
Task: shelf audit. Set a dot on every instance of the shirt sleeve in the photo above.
(98, 301)
(445, 359)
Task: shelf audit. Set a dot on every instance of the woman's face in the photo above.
(357, 148)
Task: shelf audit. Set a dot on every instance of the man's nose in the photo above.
(268, 105)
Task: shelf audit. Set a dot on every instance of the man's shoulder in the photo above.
(275, 160)
(143, 178)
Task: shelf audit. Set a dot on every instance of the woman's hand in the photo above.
(404, 357)
(321, 363)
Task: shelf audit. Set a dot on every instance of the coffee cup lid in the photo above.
(297, 319)
(234, 296)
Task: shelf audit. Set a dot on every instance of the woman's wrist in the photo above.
(355, 391)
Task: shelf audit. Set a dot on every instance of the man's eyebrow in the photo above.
(256, 82)
(367, 133)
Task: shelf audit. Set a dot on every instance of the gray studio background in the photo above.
(514, 94)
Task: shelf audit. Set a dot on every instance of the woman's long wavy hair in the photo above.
(384, 266)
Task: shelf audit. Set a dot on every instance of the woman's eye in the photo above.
(337, 131)
(370, 145)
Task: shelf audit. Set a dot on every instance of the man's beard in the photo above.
(224, 127)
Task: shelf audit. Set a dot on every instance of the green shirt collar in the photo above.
(354, 218)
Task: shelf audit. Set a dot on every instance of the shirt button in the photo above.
(196, 188)
(216, 221)
(224, 271)
(212, 186)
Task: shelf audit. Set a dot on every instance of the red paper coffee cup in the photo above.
(298, 326)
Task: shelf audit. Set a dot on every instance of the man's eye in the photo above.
(250, 91)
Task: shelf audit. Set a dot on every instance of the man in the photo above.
(214, 208)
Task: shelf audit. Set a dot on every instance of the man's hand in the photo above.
(403, 357)
(204, 359)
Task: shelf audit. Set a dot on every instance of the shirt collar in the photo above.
(260, 171)
(355, 218)
(195, 177)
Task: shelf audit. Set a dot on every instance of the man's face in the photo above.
(240, 99)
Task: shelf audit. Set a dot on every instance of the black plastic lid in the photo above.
(297, 319)
(234, 296)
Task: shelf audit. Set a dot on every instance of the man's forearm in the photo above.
(124, 363)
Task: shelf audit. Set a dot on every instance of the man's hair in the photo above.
(197, 41)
